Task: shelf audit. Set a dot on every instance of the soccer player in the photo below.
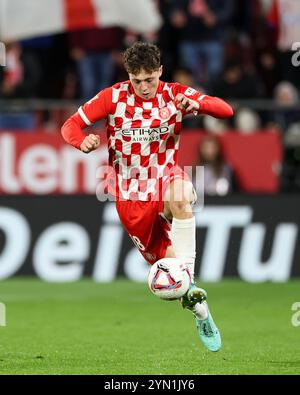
(154, 196)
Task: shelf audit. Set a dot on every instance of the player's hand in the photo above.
(90, 143)
(186, 104)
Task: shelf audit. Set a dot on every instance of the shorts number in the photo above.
(138, 243)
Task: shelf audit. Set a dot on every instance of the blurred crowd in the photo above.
(237, 50)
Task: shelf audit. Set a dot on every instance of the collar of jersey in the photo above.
(140, 99)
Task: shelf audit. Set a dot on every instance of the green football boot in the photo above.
(209, 333)
(207, 329)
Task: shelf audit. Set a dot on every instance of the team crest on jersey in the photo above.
(164, 113)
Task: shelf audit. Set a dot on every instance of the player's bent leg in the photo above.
(178, 199)
(183, 246)
(195, 300)
(177, 205)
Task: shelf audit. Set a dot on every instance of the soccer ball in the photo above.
(169, 278)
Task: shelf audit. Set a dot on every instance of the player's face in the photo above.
(145, 84)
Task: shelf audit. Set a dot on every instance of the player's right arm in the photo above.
(95, 109)
(189, 100)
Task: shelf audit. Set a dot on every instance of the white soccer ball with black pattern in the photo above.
(169, 278)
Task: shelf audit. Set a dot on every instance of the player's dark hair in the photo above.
(141, 56)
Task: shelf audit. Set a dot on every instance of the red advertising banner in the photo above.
(40, 163)
(255, 158)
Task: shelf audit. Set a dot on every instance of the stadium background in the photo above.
(53, 228)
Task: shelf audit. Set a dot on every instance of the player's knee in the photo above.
(181, 209)
(180, 191)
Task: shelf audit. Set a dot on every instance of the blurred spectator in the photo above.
(247, 121)
(290, 174)
(268, 70)
(21, 75)
(214, 125)
(50, 59)
(251, 42)
(284, 18)
(237, 84)
(218, 175)
(167, 41)
(287, 98)
(92, 50)
(263, 45)
(19, 79)
(286, 94)
(184, 76)
(241, 17)
(202, 28)
(57, 78)
(240, 44)
(261, 35)
(287, 119)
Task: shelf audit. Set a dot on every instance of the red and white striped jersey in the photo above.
(143, 135)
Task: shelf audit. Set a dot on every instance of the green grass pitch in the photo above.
(121, 328)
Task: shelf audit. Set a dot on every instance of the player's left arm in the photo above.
(188, 100)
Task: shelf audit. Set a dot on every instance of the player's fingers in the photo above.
(94, 138)
(88, 144)
(84, 148)
(97, 141)
(191, 107)
(183, 106)
(185, 103)
(179, 97)
(89, 138)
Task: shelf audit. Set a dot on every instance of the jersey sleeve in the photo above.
(72, 130)
(191, 93)
(208, 105)
(97, 108)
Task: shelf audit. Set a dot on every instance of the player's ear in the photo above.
(160, 70)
